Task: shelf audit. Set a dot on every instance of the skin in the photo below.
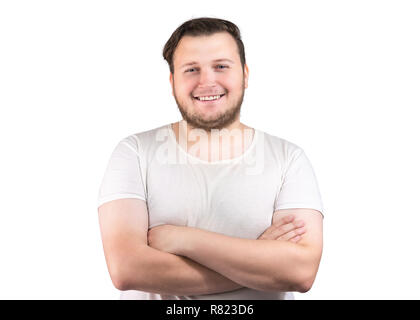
(272, 265)
(210, 76)
(177, 260)
(265, 264)
(135, 265)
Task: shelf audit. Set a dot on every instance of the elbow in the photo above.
(306, 274)
(119, 278)
(300, 282)
(128, 272)
(305, 285)
(306, 280)
(120, 283)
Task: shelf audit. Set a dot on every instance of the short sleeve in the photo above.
(123, 177)
(300, 187)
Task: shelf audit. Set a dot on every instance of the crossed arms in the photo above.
(179, 260)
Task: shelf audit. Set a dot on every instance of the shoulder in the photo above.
(283, 149)
(144, 139)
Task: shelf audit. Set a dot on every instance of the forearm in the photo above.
(267, 265)
(169, 274)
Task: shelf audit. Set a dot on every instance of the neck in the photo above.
(216, 145)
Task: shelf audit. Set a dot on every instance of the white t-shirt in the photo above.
(235, 197)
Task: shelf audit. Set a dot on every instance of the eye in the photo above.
(189, 70)
(221, 65)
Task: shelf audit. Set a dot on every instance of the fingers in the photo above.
(297, 232)
(283, 221)
(287, 219)
(270, 233)
(286, 231)
(296, 239)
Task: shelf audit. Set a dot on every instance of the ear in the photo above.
(246, 75)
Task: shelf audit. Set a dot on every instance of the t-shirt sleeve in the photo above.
(123, 174)
(300, 187)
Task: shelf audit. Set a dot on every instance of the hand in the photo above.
(286, 229)
(165, 237)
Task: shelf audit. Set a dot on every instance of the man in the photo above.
(209, 208)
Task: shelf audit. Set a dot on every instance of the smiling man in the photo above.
(209, 80)
(208, 207)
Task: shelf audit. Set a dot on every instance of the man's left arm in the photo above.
(266, 265)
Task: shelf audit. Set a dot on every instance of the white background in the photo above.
(341, 79)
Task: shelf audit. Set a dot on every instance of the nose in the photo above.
(207, 78)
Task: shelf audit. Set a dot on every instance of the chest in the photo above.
(226, 200)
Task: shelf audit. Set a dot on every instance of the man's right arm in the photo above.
(133, 265)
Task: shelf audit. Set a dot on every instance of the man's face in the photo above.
(208, 66)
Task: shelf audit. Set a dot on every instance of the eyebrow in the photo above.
(217, 60)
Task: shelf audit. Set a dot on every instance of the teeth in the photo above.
(209, 98)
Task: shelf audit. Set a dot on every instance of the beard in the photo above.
(220, 121)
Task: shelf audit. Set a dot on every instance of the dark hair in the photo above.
(198, 27)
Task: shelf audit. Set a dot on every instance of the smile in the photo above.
(209, 98)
